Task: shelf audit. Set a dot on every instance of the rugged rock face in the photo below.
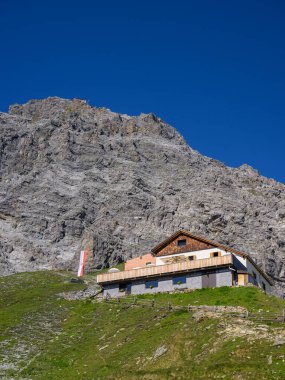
(75, 176)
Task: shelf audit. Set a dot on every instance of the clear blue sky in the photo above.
(215, 70)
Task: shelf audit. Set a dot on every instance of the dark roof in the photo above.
(165, 242)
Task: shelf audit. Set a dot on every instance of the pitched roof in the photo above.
(158, 247)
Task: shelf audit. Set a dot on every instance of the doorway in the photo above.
(209, 280)
(125, 288)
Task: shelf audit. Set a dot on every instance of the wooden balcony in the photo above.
(168, 269)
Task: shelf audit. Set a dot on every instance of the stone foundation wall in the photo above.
(165, 284)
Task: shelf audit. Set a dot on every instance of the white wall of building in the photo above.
(241, 259)
(203, 254)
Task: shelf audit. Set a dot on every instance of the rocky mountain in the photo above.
(75, 176)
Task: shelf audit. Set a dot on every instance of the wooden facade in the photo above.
(159, 270)
(190, 244)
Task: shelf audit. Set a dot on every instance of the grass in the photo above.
(249, 297)
(46, 337)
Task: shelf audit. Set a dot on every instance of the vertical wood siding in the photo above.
(164, 269)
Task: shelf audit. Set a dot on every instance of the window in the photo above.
(151, 284)
(191, 258)
(263, 286)
(253, 278)
(215, 254)
(148, 263)
(179, 280)
(181, 243)
(122, 288)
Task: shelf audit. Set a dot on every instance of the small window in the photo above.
(254, 275)
(215, 254)
(148, 263)
(263, 286)
(122, 288)
(151, 284)
(191, 258)
(179, 280)
(181, 243)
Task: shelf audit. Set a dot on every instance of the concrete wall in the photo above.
(259, 277)
(165, 284)
(112, 290)
(224, 278)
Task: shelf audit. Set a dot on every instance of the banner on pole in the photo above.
(82, 261)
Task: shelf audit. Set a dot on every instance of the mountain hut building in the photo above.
(184, 261)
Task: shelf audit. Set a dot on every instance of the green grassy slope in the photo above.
(46, 337)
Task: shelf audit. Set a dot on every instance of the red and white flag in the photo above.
(82, 261)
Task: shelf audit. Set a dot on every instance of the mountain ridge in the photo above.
(75, 176)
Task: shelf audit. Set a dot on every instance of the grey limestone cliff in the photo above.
(75, 176)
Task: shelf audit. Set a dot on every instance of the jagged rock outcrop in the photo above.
(76, 176)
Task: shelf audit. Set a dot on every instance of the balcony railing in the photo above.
(165, 269)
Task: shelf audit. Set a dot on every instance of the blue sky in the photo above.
(215, 70)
